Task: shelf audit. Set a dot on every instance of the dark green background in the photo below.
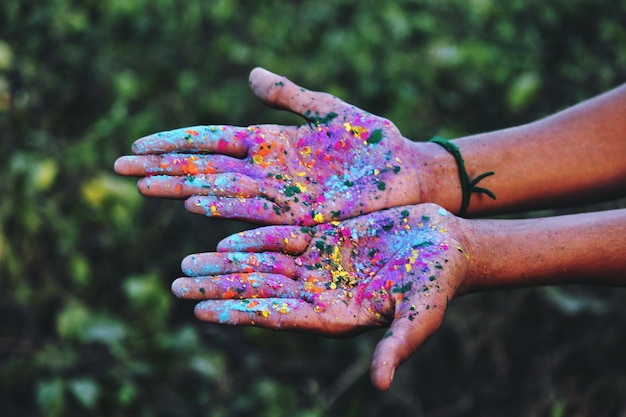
(88, 325)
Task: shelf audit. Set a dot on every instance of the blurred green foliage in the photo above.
(88, 324)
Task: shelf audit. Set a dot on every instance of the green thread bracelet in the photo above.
(467, 186)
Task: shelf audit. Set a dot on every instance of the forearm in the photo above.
(576, 249)
(575, 156)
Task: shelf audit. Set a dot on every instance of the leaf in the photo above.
(86, 391)
(104, 329)
(6, 55)
(72, 320)
(108, 187)
(573, 304)
(148, 294)
(78, 323)
(50, 397)
(523, 91)
(210, 366)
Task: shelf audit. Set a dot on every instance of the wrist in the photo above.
(466, 244)
(438, 176)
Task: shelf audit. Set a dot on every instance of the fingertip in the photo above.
(143, 185)
(188, 265)
(257, 73)
(396, 346)
(121, 166)
(384, 364)
(226, 244)
(194, 205)
(139, 146)
(179, 288)
(118, 165)
(246, 241)
(381, 376)
(216, 312)
(258, 78)
(202, 310)
(268, 87)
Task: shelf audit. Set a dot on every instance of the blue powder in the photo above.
(224, 316)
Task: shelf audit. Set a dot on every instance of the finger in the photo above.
(406, 333)
(177, 164)
(255, 209)
(235, 286)
(271, 313)
(279, 92)
(292, 240)
(227, 140)
(201, 264)
(220, 185)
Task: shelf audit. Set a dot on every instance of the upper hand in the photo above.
(396, 268)
(344, 162)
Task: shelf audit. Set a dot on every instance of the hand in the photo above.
(398, 267)
(343, 163)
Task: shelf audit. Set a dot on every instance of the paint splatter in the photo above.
(379, 264)
(340, 165)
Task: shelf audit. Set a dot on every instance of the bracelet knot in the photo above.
(467, 186)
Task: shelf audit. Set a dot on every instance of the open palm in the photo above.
(344, 162)
(397, 267)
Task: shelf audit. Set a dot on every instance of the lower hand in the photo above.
(396, 268)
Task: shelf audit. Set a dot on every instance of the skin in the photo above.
(346, 162)
(573, 157)
(343, 163)
(395, 268)
(402, 276)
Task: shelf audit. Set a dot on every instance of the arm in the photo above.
(576, 156)
(336, 170)
(576, 249)
(396, 268)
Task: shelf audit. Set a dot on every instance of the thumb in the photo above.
(407, 332)
(277, 91)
